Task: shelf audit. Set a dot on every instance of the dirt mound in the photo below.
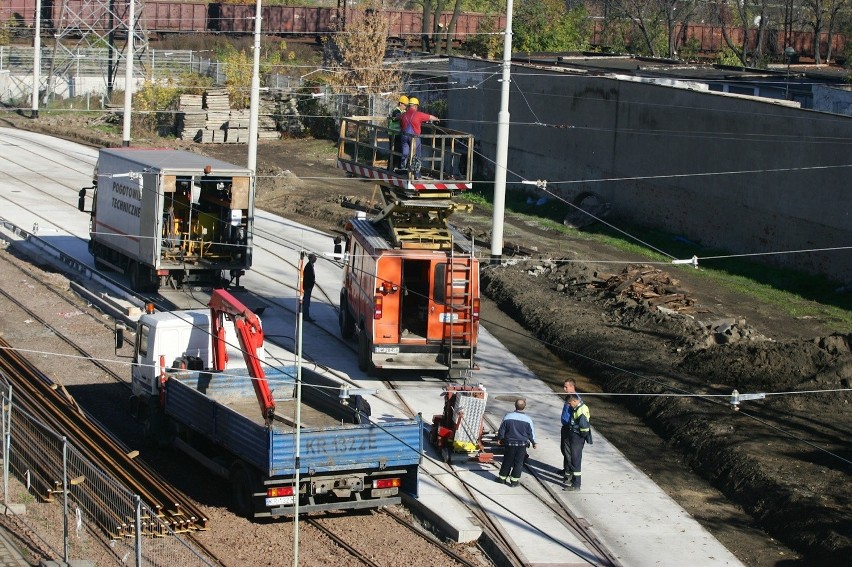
(772, 456)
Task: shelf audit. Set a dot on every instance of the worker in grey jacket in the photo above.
(516, 433)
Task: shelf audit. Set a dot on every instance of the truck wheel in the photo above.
(133, 274)
(347, 323)
(242, 491)
(365, 363)
(157, 430)
(433, 435)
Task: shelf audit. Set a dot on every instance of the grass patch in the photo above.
(793, 292)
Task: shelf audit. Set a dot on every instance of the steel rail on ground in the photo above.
(49, 403)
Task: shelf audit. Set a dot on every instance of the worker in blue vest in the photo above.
(577, 430)
(516, 433)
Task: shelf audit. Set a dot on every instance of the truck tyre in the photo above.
(133, 274)
(365, 363)
(242, 491)
(347, 323)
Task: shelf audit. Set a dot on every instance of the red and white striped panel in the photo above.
(402, 181)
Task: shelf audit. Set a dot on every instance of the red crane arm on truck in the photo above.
(250, 335)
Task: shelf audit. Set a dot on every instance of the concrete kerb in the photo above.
(34, 248)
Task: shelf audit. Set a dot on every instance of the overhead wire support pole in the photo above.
(502, 158)
(298, 417)
(37, 58)
(128, 73)
(255, 91)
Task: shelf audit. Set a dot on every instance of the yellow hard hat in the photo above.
(413, 100)
(403, 99)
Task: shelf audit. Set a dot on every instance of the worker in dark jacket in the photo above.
(569, 387)
(308, 281)
(394, 128)
(516, 433)
(578, 432)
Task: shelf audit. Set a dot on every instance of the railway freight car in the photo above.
(170, 217)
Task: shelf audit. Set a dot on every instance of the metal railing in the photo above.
(73, 507)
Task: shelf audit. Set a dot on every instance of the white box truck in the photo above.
(170, 217)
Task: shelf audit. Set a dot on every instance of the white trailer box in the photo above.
(171, 217)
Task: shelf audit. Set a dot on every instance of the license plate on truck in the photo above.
(449, 318)
(387, 350)
(280, 501)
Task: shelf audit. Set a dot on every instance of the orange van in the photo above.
(409, 307)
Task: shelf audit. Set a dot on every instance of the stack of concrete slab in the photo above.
(218, 106)
(238, 127)
(191, 117)
(209, 119)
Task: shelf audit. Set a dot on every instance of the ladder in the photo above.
(459, 323)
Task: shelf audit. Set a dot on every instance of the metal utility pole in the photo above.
(128, 73)
(502, 159)
(36, 58)
(255, 93)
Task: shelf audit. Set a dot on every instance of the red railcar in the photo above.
(20, 11)
(405, 25)
(300, 20)
(176, 16)
(709, 40)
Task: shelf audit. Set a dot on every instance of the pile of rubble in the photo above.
(639, 289)
(649, 286)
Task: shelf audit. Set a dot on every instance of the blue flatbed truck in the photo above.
(212, 414)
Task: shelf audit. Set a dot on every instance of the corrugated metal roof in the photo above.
(373, 237)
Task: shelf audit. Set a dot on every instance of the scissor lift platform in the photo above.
(367, 149)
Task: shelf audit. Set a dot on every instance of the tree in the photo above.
(740, 15)
(823, 15)
(359, 69)
(546, 25)
(677, 14)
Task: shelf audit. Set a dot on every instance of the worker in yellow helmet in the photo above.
(393, 123)
(411, 123)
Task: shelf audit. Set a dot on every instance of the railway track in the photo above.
(118, 378)
(199, 297)
(50, 404)
(102, 449)
(322, 525)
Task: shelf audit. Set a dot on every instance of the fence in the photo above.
(76, 510)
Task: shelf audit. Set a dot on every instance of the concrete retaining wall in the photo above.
(734, 173)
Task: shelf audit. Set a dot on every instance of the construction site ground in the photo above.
(771, 482)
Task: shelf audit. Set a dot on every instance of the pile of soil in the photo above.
(785, 459)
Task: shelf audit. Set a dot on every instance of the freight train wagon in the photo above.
(85, 15)
(405, 25)
(709, 40)
(194, 17)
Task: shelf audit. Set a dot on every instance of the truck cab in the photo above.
(164, 340)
